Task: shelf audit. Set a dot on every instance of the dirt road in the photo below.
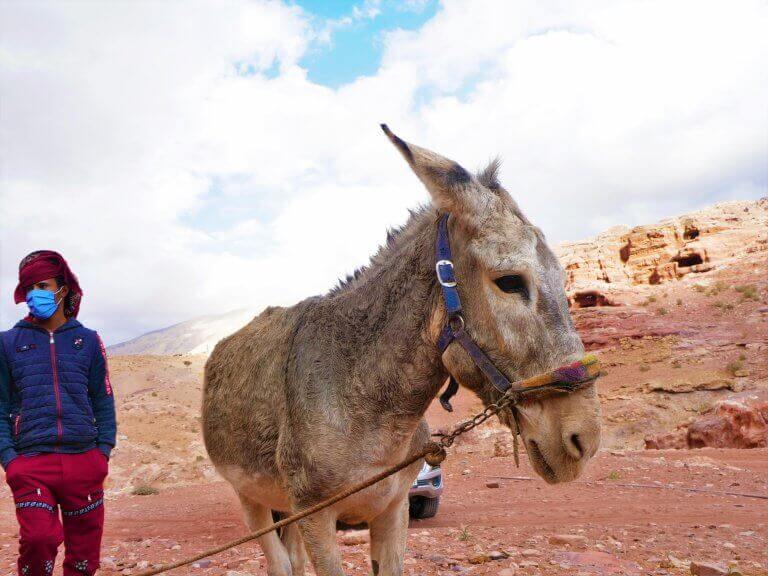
(619, 529)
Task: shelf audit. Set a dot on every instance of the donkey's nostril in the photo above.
(575, 448)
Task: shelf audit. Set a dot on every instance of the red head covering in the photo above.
(44, 264)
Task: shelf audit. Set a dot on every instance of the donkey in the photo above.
(305, 401)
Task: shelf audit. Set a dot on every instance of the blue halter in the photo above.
(454, 328)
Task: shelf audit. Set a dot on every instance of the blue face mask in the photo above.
(42, 303)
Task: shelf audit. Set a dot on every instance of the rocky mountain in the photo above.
(196, 336)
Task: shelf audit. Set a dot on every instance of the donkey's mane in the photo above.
(488, 177)
(394, 235)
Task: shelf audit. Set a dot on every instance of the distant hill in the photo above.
(196, 336)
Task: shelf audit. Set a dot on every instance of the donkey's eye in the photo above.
(512, 284)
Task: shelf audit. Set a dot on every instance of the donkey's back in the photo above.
(244, 396)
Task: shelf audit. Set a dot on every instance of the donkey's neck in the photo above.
(386, 311)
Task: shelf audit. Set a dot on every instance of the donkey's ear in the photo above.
(452, 188)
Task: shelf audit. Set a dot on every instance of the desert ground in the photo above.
(681, 480)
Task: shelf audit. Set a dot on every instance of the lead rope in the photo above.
(515, 436)
(434, 453)
(431, 449)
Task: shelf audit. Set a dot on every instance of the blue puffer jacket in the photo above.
(55, 394)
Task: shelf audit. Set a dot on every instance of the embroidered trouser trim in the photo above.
(83, 510)
(45, 484)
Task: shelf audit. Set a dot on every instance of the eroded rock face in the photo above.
(676, 440)
(740, 421)
(737, 423)
(590, 299)
(700, 381)
(599, 270)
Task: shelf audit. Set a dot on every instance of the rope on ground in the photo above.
(433, 453)
(430, 449)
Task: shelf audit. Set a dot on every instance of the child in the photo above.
(57, 421)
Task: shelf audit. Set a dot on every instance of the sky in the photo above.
(195, 158)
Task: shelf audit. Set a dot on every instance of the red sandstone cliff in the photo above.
(608, 268)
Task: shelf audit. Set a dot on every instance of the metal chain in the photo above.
(433, 453)
(512, 397)
(509, 397)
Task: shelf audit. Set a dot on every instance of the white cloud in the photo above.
(117, 119)
(368, 10)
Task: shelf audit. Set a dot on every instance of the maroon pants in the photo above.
(42, 484)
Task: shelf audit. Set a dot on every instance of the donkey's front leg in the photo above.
(389, 531)
(319, 534)
(257, 517)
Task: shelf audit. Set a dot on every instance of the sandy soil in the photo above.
(631, 513)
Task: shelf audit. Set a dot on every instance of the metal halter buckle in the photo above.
(456, 323)
(446, 283)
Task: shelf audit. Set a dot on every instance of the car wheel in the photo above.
(430, 507)
(421, 507)
(415, 506)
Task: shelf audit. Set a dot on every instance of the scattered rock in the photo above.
(597, 562)
(740, 421)
(708, 569)
(202, 563)
(567, 540)
(503, 446)
(508, 571)
(436, 558)
(675, 562)
(487, 557)
(353, 537)
(530, 552)
(676, 440)
(683, 386)
(492, 484)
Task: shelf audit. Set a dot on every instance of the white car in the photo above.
(424, 495)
